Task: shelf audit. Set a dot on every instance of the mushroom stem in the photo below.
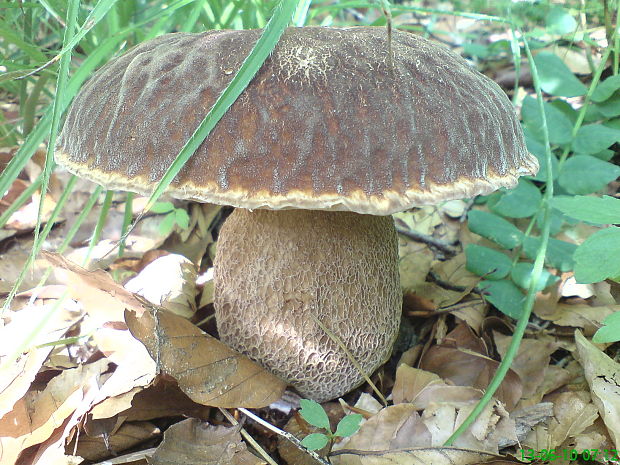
(273, 268)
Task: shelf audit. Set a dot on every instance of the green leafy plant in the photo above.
(174, 216)
(598, 257)
(314, 414)
(580, 141)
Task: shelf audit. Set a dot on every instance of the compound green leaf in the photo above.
(606, 88)
(600, 210)
(598, 258)
(486, 262)
(556, 78)
(505, 296)
(495, 228)
(521, 202)
(594, 138)
(585, 174)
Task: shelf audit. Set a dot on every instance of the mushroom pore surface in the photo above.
(274, 269)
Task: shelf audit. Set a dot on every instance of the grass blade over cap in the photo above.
(264, 46)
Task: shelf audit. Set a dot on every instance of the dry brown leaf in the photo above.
(586, 317)
(134, 368)
(37, 417)
(11, 264)
(453, 273)
(466, 368)
(526, 418)
(208, 371)
(438, 393)
(395, 427)
(492, 426)
(417, 456)
(127, 436)
(192, 442)
(17, 371)
(555, 378)
(102, 298)
(603, 375)
(15, 378)
(414, 263)
(572, 414)
(25, 218)
(471, 311)
(169, 282)
(530, 364)
(364, 402)
(163, 398)
(410, 382)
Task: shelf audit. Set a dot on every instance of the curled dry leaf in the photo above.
(526, 418)
(464, 365)
(492, 426)
(192, 442)
(585, 317)
(134, 368)
(208, 371)
(16, 377)
(572, 414)
(603, 375)
(394, 427)
(168, 281)
(421, 388)
(102, 298)
(162, 398)
(410, 382)
(530, 364)
(42, 417)
(102, 446)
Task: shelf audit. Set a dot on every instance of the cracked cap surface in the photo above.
(326, 123)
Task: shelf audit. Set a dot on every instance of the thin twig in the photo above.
(248, 437)
(296, 442)
(443, 246)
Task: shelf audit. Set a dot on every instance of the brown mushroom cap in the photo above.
(325, 124)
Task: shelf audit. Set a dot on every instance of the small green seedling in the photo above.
(314, 414)
(173, 216)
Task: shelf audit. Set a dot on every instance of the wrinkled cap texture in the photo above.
(329, 122)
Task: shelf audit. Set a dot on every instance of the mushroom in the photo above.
(329, 139)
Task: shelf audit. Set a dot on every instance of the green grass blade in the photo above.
(126, 222)
(8, 35)
(103, 215)
(20, 200)
(301, 13)
(97, 14)
(42, 129)
(36, 247)
(80, 219)
(57, 110)
(264, 46)
(61, 83)
(539, 262)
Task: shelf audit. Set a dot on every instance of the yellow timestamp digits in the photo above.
(569, 454)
